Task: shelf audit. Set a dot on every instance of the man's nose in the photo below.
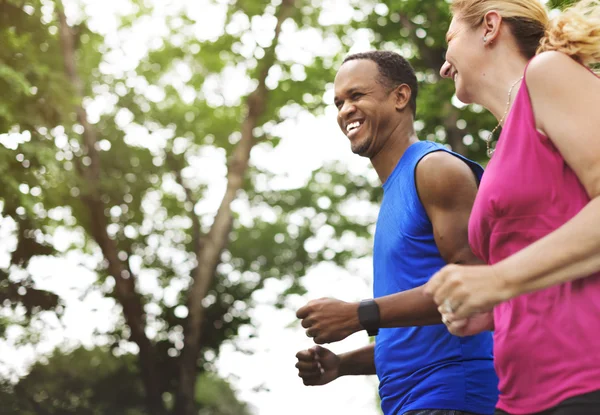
(347, 109)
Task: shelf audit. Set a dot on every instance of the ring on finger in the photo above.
(447, 305)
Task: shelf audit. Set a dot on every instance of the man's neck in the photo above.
(387, 158)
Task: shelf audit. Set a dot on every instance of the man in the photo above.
(422, 226)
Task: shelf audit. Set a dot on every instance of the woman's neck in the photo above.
(503, 73)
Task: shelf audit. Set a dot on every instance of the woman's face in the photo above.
(464, 58)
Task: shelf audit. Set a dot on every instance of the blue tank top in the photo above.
(423, 367)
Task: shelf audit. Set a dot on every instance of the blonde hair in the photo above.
(575, 31)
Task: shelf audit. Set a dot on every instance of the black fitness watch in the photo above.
(368, 316)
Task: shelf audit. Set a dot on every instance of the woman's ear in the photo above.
(492, 22)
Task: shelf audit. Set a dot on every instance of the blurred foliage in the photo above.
(98, 382)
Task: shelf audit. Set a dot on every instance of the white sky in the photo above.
(266, 379)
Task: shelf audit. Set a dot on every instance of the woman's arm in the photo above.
(566, 102)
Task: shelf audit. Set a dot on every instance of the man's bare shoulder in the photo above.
(442, 176)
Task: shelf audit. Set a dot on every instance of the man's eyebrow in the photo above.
(349, 91)
(354, 89)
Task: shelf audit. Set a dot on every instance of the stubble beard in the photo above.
(362, 147)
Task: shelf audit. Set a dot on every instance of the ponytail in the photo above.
(575, 32)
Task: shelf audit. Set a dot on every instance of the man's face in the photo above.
(366, 109)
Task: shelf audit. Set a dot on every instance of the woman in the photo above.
(536, 219)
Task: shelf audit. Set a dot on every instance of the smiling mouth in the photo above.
(352, 128)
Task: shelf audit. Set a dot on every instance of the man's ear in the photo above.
(402, 94)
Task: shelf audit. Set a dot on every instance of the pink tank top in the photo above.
(546, 343)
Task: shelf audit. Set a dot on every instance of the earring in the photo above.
(484, 39)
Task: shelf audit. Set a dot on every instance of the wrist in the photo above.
(345, 366)
(353, 321)
(357, 362)
(508, 282)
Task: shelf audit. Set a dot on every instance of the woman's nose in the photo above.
(445, 71)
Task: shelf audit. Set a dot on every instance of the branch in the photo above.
(217, 238)
(189, 197)
(125, 290)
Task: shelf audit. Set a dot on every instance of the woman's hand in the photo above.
(461, 291)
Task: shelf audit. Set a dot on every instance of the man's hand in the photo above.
(328, 320)
(317, 366)
(471, 326)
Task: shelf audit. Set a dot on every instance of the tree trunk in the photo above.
(125, 291)
(454, 136)
(216, 240)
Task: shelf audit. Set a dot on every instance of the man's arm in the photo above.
(319, 366)
(447, 187)
(358, 362)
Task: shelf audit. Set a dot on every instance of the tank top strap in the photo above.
(522, 105)
(405, 169)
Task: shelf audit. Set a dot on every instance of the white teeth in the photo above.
(352, 126)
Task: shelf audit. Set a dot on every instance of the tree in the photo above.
(98, 382)
(139, 208)
(28, 75)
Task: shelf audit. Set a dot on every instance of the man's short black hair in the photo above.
(394, 70)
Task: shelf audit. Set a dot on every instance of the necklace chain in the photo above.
(490, 150)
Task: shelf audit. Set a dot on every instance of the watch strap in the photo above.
(368, 316)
